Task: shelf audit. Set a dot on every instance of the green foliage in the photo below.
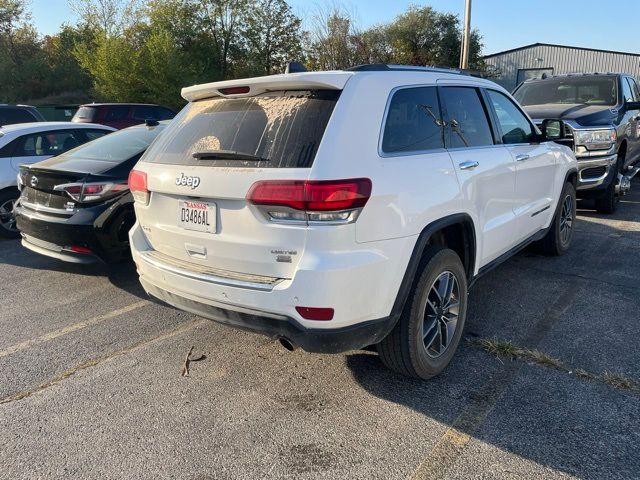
(147, 50)
(273, 36)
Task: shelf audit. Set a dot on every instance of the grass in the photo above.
(511, 351)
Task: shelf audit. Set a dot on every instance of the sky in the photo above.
(504, 24)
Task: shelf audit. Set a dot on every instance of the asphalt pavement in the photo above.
(91, 385)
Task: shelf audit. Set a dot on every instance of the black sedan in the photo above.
(77, 206)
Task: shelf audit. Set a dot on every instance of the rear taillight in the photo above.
(306, 201)
(90, 192)
(138, 186)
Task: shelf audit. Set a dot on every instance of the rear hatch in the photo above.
(200, 171)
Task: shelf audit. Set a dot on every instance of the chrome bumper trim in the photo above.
(203, 274)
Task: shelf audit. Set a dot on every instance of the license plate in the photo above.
(198, 216)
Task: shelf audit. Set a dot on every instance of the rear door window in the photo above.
(144, 112)
(466, 118)
(47, 143)
(282, 128)
(413, 122)
(118, 112)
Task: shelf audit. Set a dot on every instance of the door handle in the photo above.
(468, 165)
(522, 158)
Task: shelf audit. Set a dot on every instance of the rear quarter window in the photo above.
(284, 128)
(413, 122)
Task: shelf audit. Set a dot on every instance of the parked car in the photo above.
(287, 205)
(121, 115)
(77, 207)
(602, 118)
(12, 114)
(29, 143)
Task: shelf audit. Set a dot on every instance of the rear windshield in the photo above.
(569, 90)
(85, 113)
(282, 128)
(117, 146)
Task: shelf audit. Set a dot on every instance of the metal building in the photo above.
(531, 61)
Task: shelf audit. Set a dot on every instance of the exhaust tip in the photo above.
(286, 343)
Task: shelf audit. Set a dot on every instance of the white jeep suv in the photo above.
(338, 210)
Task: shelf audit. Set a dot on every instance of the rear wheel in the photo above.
(7, 219)
(427, 335)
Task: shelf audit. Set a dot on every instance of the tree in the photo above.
(21, 72)
(272, 35)
(108, 16)
(334, 39)
(223, 19)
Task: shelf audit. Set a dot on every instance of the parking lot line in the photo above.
(452, 443)
(196, 322)
(71, 328)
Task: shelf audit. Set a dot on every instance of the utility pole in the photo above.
(466, 36)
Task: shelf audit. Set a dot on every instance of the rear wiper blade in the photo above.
(227, 155)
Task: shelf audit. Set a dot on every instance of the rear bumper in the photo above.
(91, 228)
(56, 251)
(318, 340)
(361, 287)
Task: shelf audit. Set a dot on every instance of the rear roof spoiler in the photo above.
(258, 85)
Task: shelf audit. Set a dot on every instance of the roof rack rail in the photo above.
(384, 67)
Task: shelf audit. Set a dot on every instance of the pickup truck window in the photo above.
(582, 90)
(634, 88)
(413, 121)
(514, 126)
(627, 94)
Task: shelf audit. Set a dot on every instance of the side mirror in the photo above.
(632, 105)
(552, 130)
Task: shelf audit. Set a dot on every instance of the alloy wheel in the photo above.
(441, 314)
(7, 219)
(566, 220)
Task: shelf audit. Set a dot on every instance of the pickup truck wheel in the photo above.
(427, 334)
(558, 238)
(7, 220)
(608, 201)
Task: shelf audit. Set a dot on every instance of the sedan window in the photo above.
(49, 143)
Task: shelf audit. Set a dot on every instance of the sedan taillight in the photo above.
(138, 186)
(308, 201)
(91, 192)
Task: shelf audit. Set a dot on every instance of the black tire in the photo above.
(7, 220)
(405, 350)
(608, 202)
(558, 239)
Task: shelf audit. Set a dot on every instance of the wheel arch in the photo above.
(443, 229)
